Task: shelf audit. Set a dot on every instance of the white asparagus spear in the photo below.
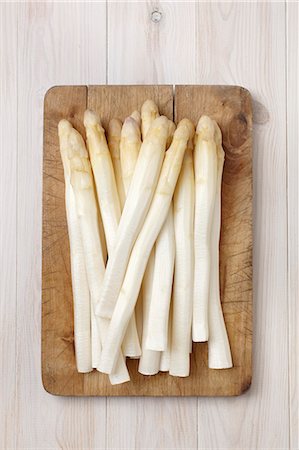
(219, 354)
(149, 363)
(150, 360)
(205, 168)
(130, 144)
(102, 168)
(157, 331)
(81, 180)
(137, 117)
(113, 137)
(171, 130)
(139, 315)
(141, 192)
(164, 256)
(152, 225)
(103, 238)
(158, 297)
(165, 356)
(149, 112)
(81, 297)
(182, 304)
(86, 206)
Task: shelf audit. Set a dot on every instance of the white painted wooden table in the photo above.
(251, 44)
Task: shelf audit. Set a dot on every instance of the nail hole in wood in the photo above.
(156, 16)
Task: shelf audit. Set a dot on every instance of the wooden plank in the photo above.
(230, 106)
(151, 423)
(120, 101)
(8, 185)
(142, 51)
(233, 48)
(292, 21)
(54, 47)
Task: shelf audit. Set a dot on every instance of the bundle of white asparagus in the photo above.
(149, 196)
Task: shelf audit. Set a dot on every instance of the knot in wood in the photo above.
(156, 16)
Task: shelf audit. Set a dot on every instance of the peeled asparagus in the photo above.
(81, 180)
(103, 238)
(137, 117)
(149, 112)
(130, 345)
(141, 191)
(157, 332)
(183, 202)
(129, 150)
(153, 223)
(219, 353)
(139, 315)
(81, 297)
(205, 168)
(165, 356)
(104, 176)
(171, 130)
(113, 137)
(158, 294)
(86, 206)
(150, 360)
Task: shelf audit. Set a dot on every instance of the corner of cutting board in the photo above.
(47, 385)
(49, 388)
(245, 385)
(53, 90)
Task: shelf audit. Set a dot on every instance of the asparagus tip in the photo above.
(91, 118)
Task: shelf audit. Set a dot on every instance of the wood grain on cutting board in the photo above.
(231, 107)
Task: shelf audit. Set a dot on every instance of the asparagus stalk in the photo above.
(165, 356)
(113, 135)
(139, 315)
(158, 309)
(150, 360)
(149, 112)
(81, 297)
(205, 164)
(129, 150)
(137, 117)
(219, 354)
(104, 176)
(157, 332)
(183, 202)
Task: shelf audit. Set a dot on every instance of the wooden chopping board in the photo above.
(231, 107)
